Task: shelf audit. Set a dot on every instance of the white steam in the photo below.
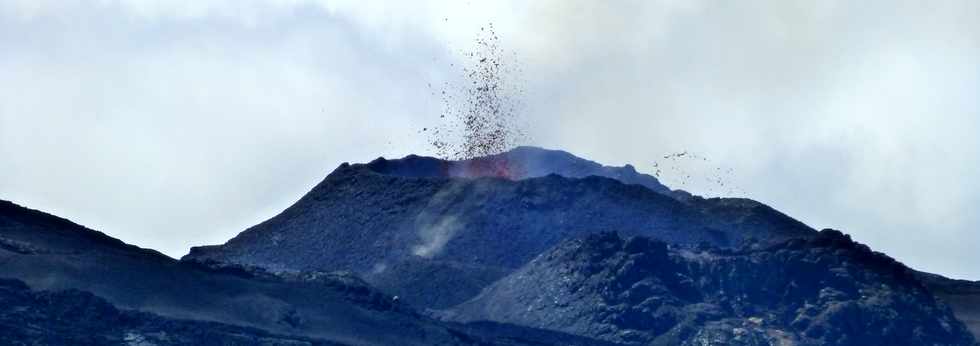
(436, 235)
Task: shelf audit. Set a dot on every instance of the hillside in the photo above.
(827, 290)
(510, 249)
(49, 253)
(961, 295)
(79, 318)
(65, 284)
(435, 232)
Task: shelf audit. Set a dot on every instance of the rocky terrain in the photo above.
(825, 290)
(961, 295)
(508, 249)
(74, 317)
(435, 232)
(75, 273)
(48, 253)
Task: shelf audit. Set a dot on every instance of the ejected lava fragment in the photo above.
(480, 113)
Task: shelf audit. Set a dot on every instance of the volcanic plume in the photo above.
(481, 114)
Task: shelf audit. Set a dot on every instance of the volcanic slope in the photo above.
(961, 295)
(824, 290)
(73, 317)
(436, 232)
(61, 283)
(50, 253)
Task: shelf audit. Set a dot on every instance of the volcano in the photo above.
(526, 247)
(824, 290)
(436, 232)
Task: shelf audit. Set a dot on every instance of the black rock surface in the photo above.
(825, 290)
(962, 296)
(64, 284)
(73, 317)
(50, 253)
(432, 234)
(436, 232)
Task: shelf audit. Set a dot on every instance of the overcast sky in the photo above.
(170, 124)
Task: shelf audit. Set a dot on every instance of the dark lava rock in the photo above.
(91, 289)
(73, 317)
(961, 295)
(436, 232)
(516, 164)
(825, 290)
(52, 254)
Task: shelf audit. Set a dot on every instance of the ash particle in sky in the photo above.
(480, 114)
(687, 170)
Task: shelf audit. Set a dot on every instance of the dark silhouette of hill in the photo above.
(73, 317)
(49, 253)
(824, 290)
(961, 295)
(86, 282)
(507, 249)
(435, 232)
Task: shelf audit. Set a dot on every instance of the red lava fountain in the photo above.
(497, 166)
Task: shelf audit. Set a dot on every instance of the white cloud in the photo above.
(177, 123)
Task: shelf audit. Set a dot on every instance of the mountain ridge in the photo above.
(369, 218)
(355, 260)
(67, 256)
(825, 290)
(56, 272)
